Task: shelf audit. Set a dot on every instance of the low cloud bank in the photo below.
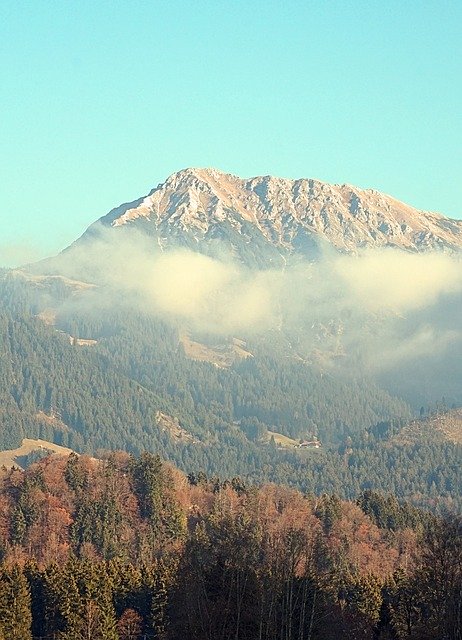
(388, 307)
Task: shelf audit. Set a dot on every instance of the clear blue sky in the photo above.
(101, 100)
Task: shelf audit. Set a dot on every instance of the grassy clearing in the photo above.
(282, 440)
(221, 355)
(12, 457)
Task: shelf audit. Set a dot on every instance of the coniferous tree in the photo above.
(15, 604)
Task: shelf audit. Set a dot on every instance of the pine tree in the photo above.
(18, 526)
(62, 601)
(401, 595)
(15, 604)
(159, 606)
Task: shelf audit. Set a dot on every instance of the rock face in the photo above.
(278, 217)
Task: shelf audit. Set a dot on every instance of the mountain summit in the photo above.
(261, 222)
(197, 206)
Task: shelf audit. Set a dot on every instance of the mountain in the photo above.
(122, 341)
(400, 305)
(280, 217)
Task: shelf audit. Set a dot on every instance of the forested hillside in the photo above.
(134, 388)
(127, 546)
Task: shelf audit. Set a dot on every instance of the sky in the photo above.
(102, 100)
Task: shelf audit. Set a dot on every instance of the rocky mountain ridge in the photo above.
(293, 216)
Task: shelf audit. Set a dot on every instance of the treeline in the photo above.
(128, 546)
